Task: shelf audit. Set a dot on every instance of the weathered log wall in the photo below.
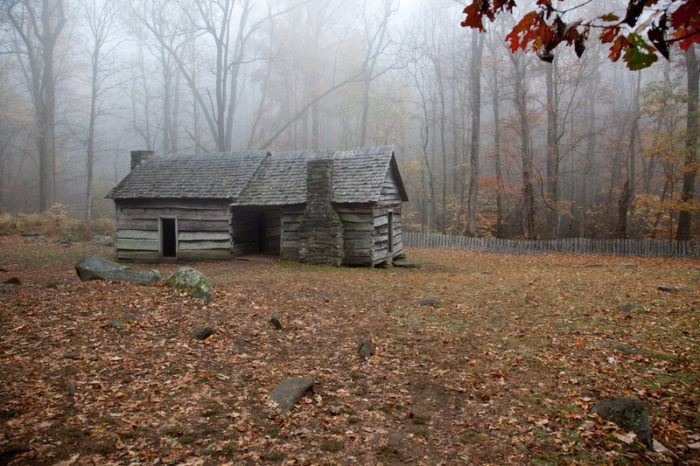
(203, 229)
(389, 205)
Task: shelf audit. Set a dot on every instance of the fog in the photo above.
(464, 114)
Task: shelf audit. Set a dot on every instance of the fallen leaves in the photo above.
(506, 371)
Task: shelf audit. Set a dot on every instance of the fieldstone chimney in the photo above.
(321, 230)
(139, 156)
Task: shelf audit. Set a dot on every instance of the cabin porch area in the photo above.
(256, 230)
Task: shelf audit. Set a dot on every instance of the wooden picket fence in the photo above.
(617, 247)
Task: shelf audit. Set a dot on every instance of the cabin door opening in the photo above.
(391, 231)
(168, 237)
(261, 229)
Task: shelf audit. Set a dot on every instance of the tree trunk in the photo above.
(475, 89)
(691, 144)
(552, 165)
(519, 62)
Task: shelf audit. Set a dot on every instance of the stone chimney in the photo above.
(321, 230)
(139, 156)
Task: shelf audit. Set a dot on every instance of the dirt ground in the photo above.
(503, 370)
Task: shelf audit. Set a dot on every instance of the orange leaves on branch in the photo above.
(539, 32)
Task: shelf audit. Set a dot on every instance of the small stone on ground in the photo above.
(275, 322)
(628, 413)
(203, 332)
(669, 288)
(289, 391)
(365, 348)
(406, 264)
(428, 302)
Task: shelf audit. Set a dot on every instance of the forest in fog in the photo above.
(489, 142)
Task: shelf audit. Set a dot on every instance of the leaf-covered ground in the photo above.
(503, 371)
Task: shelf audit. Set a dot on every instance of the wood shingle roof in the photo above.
(261, 178)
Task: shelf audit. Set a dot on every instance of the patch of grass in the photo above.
(332, 446)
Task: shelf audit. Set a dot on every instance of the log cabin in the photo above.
(320, 207)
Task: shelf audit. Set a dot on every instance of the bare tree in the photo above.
(101, 20)
(477, 47)
(38, 25)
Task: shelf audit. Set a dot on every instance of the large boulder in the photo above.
(99, 268)
(287, 393)
(628, 413)
(191, 280)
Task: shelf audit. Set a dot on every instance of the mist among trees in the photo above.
(490, 142)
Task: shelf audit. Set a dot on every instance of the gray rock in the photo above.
(428, 302)
(99, 268)
(275, 322)
(626, 307)
(5, 291)
(289, 391)
(13, 281)
(406, 264)
(102, 240)
(669, 288)
(365, 348)
(629, 414)
(191, 280)
(626, 265)
(203, 332)
(35, 238)
(115, 324)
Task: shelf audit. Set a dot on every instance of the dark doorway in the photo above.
(168, 237)
(261, 228)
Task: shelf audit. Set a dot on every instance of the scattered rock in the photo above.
(128, 317)
(365, 348)
(102, 240)
(115, 324)
(428, 302)
(406, 264)
(191, 280)
(71, 355)
(289, 391)
(65, 244)
(4, 291)
(203, 332)
(13, 281)
(99, 268)
(275, 322)
(71, 388)
(34, 238)
(629, 414)
(669, 288)
(626, 307)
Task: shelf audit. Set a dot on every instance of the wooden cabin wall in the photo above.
(389, 201)
(290, 222)
(203, 228)
(357, 233)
